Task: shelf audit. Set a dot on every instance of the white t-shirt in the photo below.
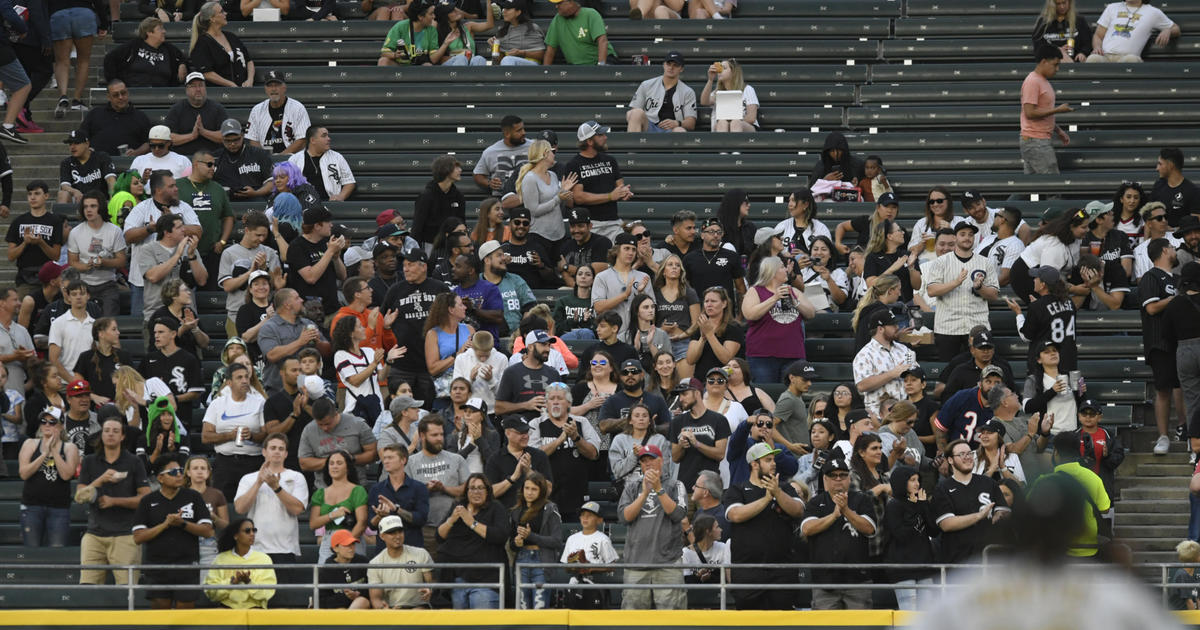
(347, 365)
(73, 336)
(1012, 462)
(1128, 29)
(484, 388)
(103, 243)
(278, 531)
(788, 228)
(145, 214)
(922, 231)
(749, 97)
(1141, 257)
(718, 554)
(1062, 406)
(597, 547)
(172, 161)
(1048, 250)
(226, 414)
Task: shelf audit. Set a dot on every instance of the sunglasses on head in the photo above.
(599, 361)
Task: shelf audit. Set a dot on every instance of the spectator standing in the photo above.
(879, 364)
(1007, 246)
(756, 429)
(112, 482)
(1100, 450)
(639, 431)
(1172, 189)
(73, 26)
(801, 227)
(1123, 43)
(444, 475)
(236, 546)
(718, 337)
(315, 268)
(34, 238)
(663, 103)
(761, 511)
(46, 463)
(485, 307)
(677, 304)
(233, 422)
(476, 531)
(682, 240)
(570, 443)
(582, 249)
(413, 298)
(580, 33)
(963, 282)
(71, 332)
(16, 346)
(536, 537)
(1157, 289)
(285, 334)
(141, 230)
(116, 128)
(83, 170)
(1051, 318)
(506, 156)
(698, 435)
(839, 523)
(615, 287)
(529, 256)
(171, 256)
(341, 505)
(323, 167)
(332, 431)
(274, 496)
(523, 385)
(775, 314)
(398, 494)
(440, 200)
(279, 123)
(909, 523)
(963, 413)
(965, 375)
(1155, 215)
(96, 248)
(220, 55)
(239, 261)
(632, 390)
(1187, 552)
(1067, 461)
(1038, 111)
(544, 194)
(396, 552)
(507, 471)
(965, 506)
(169, 523)
(244, 169)
(790, 413)
(653, 508)
(600, 185)
(210, 202)
(38, 66)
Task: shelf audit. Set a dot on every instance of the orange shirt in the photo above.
(378, 338)
(1037, 91)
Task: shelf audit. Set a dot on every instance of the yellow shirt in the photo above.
(240, 598)
(1094, 486)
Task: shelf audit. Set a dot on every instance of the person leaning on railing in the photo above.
(235, 545)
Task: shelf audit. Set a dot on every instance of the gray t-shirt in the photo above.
(527, 36)
(446, 467)
(654, 536)
(278, 332)
(793, 417)
(651, 94)
(608, 285)
(235, 261)
(351, 434)
(103, 243)
(501, 160)
(12, 337)
(149, 256)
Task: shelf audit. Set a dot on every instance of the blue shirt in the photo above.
(739, 469)
(962, 415)
(486, 297)
(412, 496)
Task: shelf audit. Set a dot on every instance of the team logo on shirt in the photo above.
(187, 511)
(178, 379)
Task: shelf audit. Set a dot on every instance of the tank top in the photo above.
(779, 333)
(449, 343)
(46, 488)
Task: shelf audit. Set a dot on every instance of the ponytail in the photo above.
(883, 283)
(202, 21)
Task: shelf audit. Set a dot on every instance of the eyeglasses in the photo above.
(631, 372)
(715, 232)
(841, 393)
(519, 222)
(158, 145)
(1157, 217)
(966, 455)
(937, 200)
(208, 164)
(716, 381)
(250, 530)
(49, 421)
(599, 362)
(173, 472)
(121, 93)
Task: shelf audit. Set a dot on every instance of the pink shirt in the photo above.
(1036, 90)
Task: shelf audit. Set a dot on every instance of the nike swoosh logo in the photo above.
(226, 417)
(153, 505)
(953, 489)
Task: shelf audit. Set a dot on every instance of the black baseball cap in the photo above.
(984, 340)
(516, 423)
(318, 214)
(578, 215)
(971, 196)
(520, 212)
(887, 199)
(632, 364)
(273, 76)
(674, 57)
(416, 254)
(965, 224)
(916, 371)
(382, 248)
(1088, 403)
(803, 369)
(549, 135)
(994, 426)
(883, 318)
(834, 464)
(624, 238)
(78, 136)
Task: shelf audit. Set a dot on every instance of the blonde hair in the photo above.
(736, 82)
(127, 378)
(902, 410)
(1050, 15)
(883, 283)
(537, 152)
(202, 21)
(1188, 551)
(483, 340)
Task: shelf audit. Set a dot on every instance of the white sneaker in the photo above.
(1162, 445)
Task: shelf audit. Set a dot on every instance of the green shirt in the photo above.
(422, 43)
(211, 204)
(1094, 487)
(357, 498)
(576, 37)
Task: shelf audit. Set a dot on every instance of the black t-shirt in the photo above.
(97, 369)
(274, 140)
(412, 302)
(952, 498)
(678, 311)
(503, 465)
(1049, 319)
(758, 539)
(522, 263)
(49, 226)
(210, 56)
(152, 67)
(595, 250)
(966, 375)
(713, 269)
(862, 227)
(619, 403)
(519, 384)
(108, 128)
(174, 545)
(570, 470)
(1180, 200)
(277, 408)
(927, 408)
(709, 428)
(251, 167)
(1114, 280)
(186, 341)
(1155, 285)
(599, 176)
(619, 351)
(840, 543)
(113, 520)
(876, 264)
(708, 359)
(304, 253)
(355, 579)
(181, 371)
(248, 316)
(181, 118)
(312, 172)
(666, 111)
(1113, 247)
(82, 433)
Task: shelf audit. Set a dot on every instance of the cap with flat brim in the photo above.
(231, 127)
(759, 451)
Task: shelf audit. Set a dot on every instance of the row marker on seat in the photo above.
(470, 106)
(814, 130)
(1034, 197)
(849, 62)
(873, 130)
(908, 62)
(462, 130)
(778, 199)
(1072, 128)
(1084, 103)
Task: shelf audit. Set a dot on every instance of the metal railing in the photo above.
(131, 587)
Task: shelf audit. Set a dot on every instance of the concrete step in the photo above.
(1177, 505)
(1130, 482)
(1143, 442)
(1166, 492)
(1135, 519)
(1135, 459)
(1157, 471)
(1150, 531)
(1152, 544)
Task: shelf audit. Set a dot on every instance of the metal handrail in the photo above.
(131, 587)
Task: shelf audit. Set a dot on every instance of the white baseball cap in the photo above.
(315, 385)
(160, 132)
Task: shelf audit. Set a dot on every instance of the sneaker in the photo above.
(1180, 433)
(1162, 445)
(61, 109)
(12, 135)
(26, 124)
(1192, 458)
(77, 106)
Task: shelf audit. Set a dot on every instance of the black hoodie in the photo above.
(850, 166)
(909, 526)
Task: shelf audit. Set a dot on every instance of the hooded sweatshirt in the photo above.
(850, 166)
(910, 527)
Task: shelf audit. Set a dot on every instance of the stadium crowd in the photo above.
(411, 401)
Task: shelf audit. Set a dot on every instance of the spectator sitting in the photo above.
(483, 366)
(161, 157)
(411, 41)
(70, 336)
(707, 495)
(456, 35)
(535, 525)
(1061, 27)
(656, 9)
(117, 128)
(83, 170)
(837, 163)
(165, 435)
(332, 431)
(522, 41)
(839, 523)
(168, 10)
(169, 524)
(822, 435)
(384, 10)
(147, 60)
(964, 375)
(324, 168)
(278, 124)
(345, 547)
(580, 33)
(244, 169)
(195, 122)
(221, 56)
(712, 9)
(111, 483)
(1123, 43)
(708, 548)
(395, 552)
(663, 103)
(727, 75)
(476, 531)
(47, 463)
(80, 424)
(1181, 196)
(236, 548)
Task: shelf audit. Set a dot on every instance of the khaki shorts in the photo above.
(108, 550)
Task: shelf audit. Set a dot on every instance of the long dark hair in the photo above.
(486, 484)
(833, 252)
(1061, 226)
(634, 306)
(342, 334)
(523, 18)
(533, 510)
(612, 376)
(730, 215)
(859, 465)
(440, 246)
(949, 206)
(228, 537)
(351, 470)
(98, 327)
(856, 399)
(1119, 204)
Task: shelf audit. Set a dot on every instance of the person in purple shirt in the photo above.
(485, 309)
(757, 428)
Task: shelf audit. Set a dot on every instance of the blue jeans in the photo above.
(769, 369)
(579, 334)
(73, 23)
(914, 598)
(42, 524)
(474, 598)
(518, 61)
(461, 60)
(531, 598)
(1194, 522)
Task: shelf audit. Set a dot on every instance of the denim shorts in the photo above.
(73, 23)
(13, 75)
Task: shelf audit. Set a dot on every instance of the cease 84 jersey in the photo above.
(962, 415)
(1049, 319)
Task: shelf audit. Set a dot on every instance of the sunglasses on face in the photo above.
(173, 472)
(250, 530)
(838, 475)
(716, 381)
(937, 200)
(519, 222)
(208, 164)
(641, 235)
(1158, 217)
(599, 361)
(630, 372)
(763, 424)
(158, 145)
(49, 421)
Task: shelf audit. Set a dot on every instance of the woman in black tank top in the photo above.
(47, 461)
